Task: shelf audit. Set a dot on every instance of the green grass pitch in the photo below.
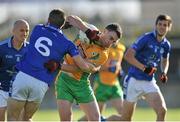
(141, 114)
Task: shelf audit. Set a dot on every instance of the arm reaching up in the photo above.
(92, 34)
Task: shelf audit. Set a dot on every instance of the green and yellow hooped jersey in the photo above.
(95, 54)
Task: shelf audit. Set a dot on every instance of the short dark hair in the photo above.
(164, 17)
(115, 27)
(57, 17)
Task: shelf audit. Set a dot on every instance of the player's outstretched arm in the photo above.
(92, 34)
(85, 66)
(53, 66)
(74, 68)
(77, 22)
(70, 68)
(165, 64)
(130, 58)
(164, 69)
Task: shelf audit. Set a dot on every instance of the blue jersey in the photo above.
(46, 43)
(149, 52)
(9, 56)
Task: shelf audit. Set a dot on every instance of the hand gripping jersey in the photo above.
(93, 53)
(115, 57)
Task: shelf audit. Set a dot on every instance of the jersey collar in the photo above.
(10, 43)
(155, 35)
(54, 27)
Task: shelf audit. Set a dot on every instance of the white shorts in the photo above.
(28, 88)
(136, 89)
(3, 98)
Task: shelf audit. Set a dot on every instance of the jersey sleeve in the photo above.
(139, 43)
(72, 49)
(167, 50)
(121, 47)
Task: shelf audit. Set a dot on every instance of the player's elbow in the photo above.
(84, 67)
(129, 55)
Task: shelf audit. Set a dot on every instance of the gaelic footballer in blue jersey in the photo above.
(12, 50)
(147, 52)
(47, 42)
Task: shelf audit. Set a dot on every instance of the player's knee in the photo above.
(120, 111)
(69, 114)
(96, 117)
(12, 116)
(66, 116)
(2, 117)
(162, 111)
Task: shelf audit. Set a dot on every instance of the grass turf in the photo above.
(141, 114)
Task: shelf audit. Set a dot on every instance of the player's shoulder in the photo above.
(63, 40)
(121, 46)
(39, 25)
(37, 28)
(5, 42)
(167, 42)
(66, 39)
(144, 37)
(147, 35)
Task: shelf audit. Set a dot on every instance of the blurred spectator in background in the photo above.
(12, 50)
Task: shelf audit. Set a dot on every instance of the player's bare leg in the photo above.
(101, 107)
(65, 110)
(91, 110)
(14, 109)
(2, 113)
(21, 116)
(29, 109)
(128, 110)
(156, 101)
(118, 105)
